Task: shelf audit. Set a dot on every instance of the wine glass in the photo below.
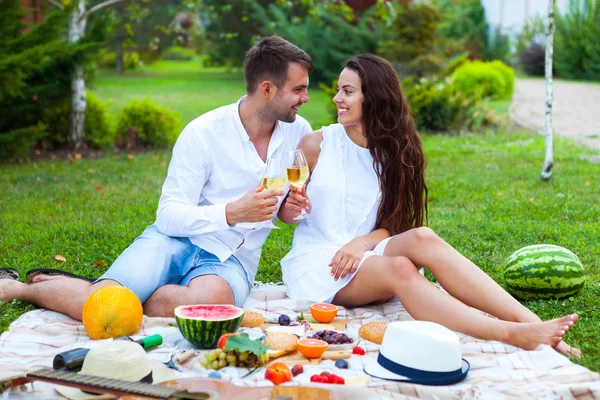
(297, 174)
(273, 179)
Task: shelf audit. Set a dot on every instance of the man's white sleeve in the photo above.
(178, 211)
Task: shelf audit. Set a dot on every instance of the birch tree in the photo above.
(77, 24)
(549, 159)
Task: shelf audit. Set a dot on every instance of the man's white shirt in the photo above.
(214, 163)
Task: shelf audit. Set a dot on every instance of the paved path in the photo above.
(575, 109)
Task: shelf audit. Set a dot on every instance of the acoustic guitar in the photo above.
(184, 389)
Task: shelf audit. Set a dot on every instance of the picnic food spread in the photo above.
(286, 344)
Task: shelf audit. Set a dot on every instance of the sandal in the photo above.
(9, 273)
(52, 272)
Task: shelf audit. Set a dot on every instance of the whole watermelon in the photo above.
(203, 324)
(543, 271)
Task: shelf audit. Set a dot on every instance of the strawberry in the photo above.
(358, 351)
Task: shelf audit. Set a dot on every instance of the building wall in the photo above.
(510, 15)
(34, 9)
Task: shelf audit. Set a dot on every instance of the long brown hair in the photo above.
(394, 144)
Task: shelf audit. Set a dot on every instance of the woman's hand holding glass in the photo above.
(297, 175)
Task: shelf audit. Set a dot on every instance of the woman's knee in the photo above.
(423, 234)
(402, 268)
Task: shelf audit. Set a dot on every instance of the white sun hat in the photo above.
(118, 359)
(419, 352)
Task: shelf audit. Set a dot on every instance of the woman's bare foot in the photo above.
(530, 335)
(567, 350)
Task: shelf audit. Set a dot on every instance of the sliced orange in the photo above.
(323, 312)
(312, 348)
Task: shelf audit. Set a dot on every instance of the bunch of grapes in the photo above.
(332, 337)
(219, 358)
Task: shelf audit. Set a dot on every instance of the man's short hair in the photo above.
(269, 60)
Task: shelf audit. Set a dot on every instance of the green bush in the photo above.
(436, 105)
(330, 92)
(99, 132)
(485, 77)
(36, 67)
(509, 77)
(414, 45)
(98, 129)
(320, 36)
(577, 48)
(108, 59)
(143, 122)
(179, 53)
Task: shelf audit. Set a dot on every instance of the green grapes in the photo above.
(219, 358)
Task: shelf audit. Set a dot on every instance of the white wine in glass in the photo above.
(274, 183)
(273, 179)
(297, 174)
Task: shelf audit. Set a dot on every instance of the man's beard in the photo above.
(272, 111)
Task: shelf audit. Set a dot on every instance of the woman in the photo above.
(365, 241)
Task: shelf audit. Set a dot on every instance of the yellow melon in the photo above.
(112, 311)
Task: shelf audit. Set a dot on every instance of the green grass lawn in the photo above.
(485, 198)
(190, 89)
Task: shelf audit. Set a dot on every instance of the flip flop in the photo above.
(9, 273)
(52, 272)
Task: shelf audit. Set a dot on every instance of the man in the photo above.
(201, 248)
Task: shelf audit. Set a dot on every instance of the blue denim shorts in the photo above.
(154, 260)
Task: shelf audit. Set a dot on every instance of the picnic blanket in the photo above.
(498, 371)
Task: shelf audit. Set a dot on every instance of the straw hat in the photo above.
(118, 359)
(419, 352)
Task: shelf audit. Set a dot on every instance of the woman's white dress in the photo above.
(345, 195)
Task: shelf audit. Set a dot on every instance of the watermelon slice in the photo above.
(203, 324)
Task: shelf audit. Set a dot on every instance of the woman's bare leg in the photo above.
(381, 277)
(460, 277)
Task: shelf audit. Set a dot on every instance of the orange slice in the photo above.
(323, 312)
(312, 348)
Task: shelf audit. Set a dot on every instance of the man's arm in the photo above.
(178, 212)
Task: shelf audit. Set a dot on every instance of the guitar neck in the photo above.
(114, 387)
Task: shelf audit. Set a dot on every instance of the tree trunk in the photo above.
(76, 137)
(549, 159)
(120, 38)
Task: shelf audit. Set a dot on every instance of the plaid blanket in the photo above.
(498, 371)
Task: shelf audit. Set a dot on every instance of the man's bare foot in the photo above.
(530, 335)
(8, 289)
(43, 278)
(567, 350)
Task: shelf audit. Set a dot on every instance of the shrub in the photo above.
(509, 77)
(577, 48)
(330, 92)
(108, 59)
(179, 53)
(142, 122)
(320, 36)
(533, 59)
(98, 130)
(481, 76)
(437, 106)
(413, 45)
(36, 67)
